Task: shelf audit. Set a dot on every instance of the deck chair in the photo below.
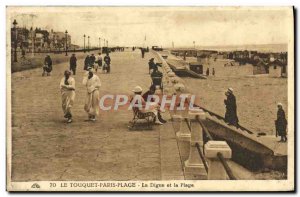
(139, 115)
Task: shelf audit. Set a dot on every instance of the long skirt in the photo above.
(92, 103)
(67, 97)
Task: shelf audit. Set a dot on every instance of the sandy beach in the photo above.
(257, 97)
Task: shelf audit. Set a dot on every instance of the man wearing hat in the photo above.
(92, 83)
(138, 99)
(281, 123)
(231, 109)
(107, 61)
(87, 62)
(152, 65)
(67, 89)
(73, 63)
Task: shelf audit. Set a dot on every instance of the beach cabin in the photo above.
(260, 68)
(204, 56)
(220, 56)
(196, 67)
(277, 69)
(203, 59)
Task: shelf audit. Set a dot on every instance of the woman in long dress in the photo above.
(92, 83)
(67, 89)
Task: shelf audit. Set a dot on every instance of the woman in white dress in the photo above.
(92, 83)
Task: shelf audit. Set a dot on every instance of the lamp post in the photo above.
(194, 44)
(88, 43)
(84, 43)
(66, 42)
(104, 43)
(16, 40)
(107, 43)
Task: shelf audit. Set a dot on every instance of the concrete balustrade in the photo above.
(184, 113)
(184, 134)
(177, 123)
(194, 164)
(179, 88)
(169, 89)
(175, 80)
(216, 170)
(171, 74)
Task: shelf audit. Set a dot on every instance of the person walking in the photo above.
(86, 62)
(231, 109)
(213, 72)
(92, 60)
(99, 61)
(151, 64)
(67, 89)
(184, 55)
(73, 63)
(143, 52)
(107, 63)
(47, 68)
(92, 83)
(281, 123)
(207, 72)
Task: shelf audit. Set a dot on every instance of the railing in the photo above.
(202, 157)
(216, 152)
(200, 151)
(226, 167)
(219, 155)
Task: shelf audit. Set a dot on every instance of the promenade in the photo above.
(46, 148)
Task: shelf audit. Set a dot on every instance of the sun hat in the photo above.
(230, 90)
(137, 89)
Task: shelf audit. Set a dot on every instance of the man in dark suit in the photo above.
(86, 62)
(107, 62)
(73, 63)
(231, 109)
(281, 123)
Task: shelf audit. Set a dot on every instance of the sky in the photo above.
(128, 26)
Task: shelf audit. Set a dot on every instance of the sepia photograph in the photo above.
(157, 98)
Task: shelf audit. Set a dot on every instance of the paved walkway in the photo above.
(46, 148)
